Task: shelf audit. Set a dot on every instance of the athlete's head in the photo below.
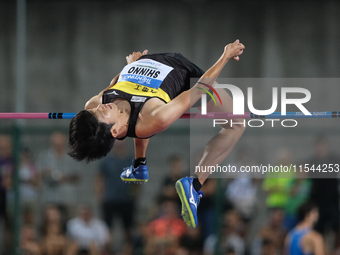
(88, 138)
(93, 131)
(308, 211)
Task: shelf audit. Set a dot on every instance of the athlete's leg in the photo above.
(217, 149)
(138, 171)
(140, 147)
(220, 146)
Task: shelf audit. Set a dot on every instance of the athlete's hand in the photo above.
(135, 56)
(233, 50)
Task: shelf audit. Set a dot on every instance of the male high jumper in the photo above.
(148, 95)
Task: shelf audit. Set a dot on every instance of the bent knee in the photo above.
(242, 128)
(239, 125)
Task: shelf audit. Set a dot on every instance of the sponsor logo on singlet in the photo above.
(112, 92)
(146, 72)
(138, 99)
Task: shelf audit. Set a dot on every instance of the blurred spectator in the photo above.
(241, 192)
(299, 191)
(277, 184)
(168, 191)
(29, 182)
(28, 241)
(303, 239)
(273, 232)
(59, 174)
(207, 212)
(207, 209)
(231, 241)
(192, 241)
(286, 190)
(229, 251)
(28, 215)
(168, 185)
(88, 234)
(53, 240)
(116, 197)
(325, 189)
(269, 248)
(6, 168)
(164, 233)
(140, 237)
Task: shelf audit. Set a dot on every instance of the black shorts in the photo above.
(178, 80)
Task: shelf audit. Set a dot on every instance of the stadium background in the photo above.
(74, 48)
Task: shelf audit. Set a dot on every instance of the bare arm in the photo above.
(97, 99)
(165, 115)
(319, 248)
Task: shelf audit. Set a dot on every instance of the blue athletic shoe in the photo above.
(190, 199)
(138, 174)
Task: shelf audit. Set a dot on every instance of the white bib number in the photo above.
(146, 72)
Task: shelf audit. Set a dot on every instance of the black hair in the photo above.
(88, 138)
(304, 209)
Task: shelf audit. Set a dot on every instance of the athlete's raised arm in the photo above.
(97, 99)
(165, 115)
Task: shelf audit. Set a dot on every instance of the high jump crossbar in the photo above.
(215, 115)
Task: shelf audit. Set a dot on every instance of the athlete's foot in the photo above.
(190, 199)
(139, 174)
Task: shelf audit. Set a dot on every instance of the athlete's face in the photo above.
(107, 113)
(111, 115)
